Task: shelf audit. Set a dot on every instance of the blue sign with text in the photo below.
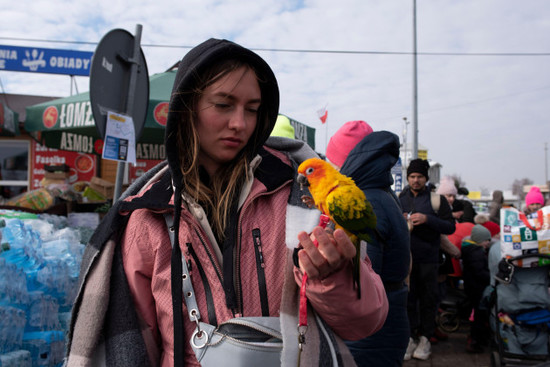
(397, 174)
(45, 60)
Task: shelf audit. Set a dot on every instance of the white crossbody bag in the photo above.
(242, 341)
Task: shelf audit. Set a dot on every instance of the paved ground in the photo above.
(452, 352)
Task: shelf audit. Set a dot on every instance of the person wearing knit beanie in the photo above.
(448, 189)
(533, 200)
(345, 139)
(492, 227)
(480, 234)
(419, 166)
(481, 218)
(283, 128)
(475, 272)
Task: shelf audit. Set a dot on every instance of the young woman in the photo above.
(237, 220)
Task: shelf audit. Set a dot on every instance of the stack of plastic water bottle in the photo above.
(39, 264)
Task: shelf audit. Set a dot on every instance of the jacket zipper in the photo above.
(237, 267)
(260, 266)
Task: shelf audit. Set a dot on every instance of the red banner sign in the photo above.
(82, 166)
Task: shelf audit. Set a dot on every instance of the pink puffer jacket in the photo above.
(146, 252)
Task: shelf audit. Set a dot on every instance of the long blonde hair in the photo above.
(222, 190)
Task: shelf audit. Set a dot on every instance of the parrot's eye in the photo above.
(309, 171)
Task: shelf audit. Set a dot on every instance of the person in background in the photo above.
(241, 238)
(283, 128)
(533, 201)
(495, 205)
(448, 251)
(468, 210)
(448, 189)
(428, 226)
(367, 157)
(476, 279)
(458, 210)
(494, 228)
(462, 231)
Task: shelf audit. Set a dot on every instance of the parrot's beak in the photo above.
(302, 180)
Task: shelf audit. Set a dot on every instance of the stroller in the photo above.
(519, 310)
(454, 309)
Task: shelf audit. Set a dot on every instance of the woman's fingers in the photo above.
(345, 246)
(328, 256)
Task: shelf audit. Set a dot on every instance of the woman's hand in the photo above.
(332, 253)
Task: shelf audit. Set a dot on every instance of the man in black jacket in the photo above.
(429, 217)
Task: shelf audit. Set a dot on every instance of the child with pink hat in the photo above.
(533, 200)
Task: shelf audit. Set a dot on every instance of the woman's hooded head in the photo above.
(195, 72)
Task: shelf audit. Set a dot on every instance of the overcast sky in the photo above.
(485, 117)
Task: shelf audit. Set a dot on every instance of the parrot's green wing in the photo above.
(349, 208)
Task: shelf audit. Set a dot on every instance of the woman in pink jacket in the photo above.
(218, 234)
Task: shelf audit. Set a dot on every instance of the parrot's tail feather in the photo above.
(356, 277)
(357, 286)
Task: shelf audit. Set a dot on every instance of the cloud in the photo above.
(483, 118)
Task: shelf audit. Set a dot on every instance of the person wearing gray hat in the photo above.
(476, 278)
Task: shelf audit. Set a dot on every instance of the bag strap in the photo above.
(187, 286)
(435, 200)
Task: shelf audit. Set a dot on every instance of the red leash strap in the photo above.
(303, 304)
(302, 325)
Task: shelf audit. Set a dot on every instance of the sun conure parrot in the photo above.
(337, 196)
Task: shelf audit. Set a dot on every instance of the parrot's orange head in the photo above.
(312, 170)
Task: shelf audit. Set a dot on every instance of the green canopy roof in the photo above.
(68, 123)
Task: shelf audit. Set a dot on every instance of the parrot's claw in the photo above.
(308, 200)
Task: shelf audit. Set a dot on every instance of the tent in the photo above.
(68, 123)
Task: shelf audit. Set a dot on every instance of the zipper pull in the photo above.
(301, 342)
(188, 257)
(258, 244)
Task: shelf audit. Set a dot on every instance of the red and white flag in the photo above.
(323, 114)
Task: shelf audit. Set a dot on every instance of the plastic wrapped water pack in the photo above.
(39, 265)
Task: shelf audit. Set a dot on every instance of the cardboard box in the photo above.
(104, 187)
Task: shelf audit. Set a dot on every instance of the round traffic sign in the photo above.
(110, 74)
